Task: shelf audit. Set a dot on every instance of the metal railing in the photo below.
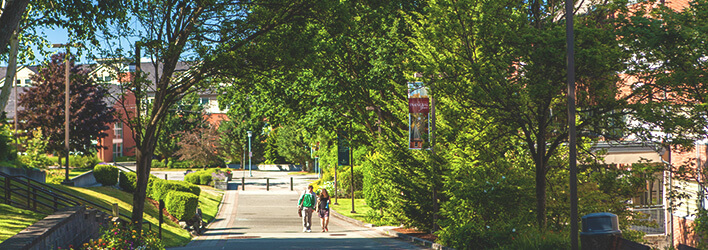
(657, 214)
(27, 193)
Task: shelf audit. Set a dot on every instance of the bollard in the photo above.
(267, 184)
(165, 176)
(243, 183)
(291, 183)
(161, 206)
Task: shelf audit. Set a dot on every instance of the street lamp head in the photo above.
(249, 133)
(62, 45)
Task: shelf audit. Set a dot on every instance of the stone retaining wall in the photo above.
(84, 180)
(34, 174)
(69, 226)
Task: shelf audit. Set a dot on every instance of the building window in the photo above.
(18, 82)
(107, 79)
(118, 130)
(204, 101)
(117, 150)
(28, 81)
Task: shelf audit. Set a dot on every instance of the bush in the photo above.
(85, 162)
(345, 180)
(107, 175)
(161, 188)
(204, 178)
(182, 205)
(192, 178)
(128, 181)
(157, 164)
(181, 164)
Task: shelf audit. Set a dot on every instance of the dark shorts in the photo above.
(323, 213)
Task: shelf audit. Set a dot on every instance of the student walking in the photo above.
(306, 204)
(323, 209)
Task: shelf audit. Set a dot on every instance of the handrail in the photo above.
(56, 190)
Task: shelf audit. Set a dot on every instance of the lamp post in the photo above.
(250, 154)
(66, 106)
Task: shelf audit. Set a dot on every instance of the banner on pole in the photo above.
(418, 117)
(342, 148)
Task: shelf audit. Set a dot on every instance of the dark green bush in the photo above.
(204, 178)
(161, 188)
(181, 205)
(128, 181)
(192, 178)
(107, 175)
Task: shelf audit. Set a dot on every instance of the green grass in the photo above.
(345, 208)
(301, 173)
(209, 201)
(14, 220)
(172, 234)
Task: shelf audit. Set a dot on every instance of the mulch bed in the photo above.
(416, 233)
(164, 211)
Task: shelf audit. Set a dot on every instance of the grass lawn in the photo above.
(172, 234)
(14, 220)
(209, 201)
(345, 208)
(302, 173)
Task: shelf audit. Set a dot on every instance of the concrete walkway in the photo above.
(260, 219)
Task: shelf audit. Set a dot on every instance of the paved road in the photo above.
(260, 219)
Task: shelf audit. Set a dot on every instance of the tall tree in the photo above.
(82, 19)
(12, 11)
(504, 60)
(187, 115)
(203, 33)
(44, 109)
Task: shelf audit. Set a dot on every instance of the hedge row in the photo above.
(160, 188)
(181, 205)
(107, 175)
(181, 198)
(202, 177)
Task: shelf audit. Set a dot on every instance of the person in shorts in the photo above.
(323, 209)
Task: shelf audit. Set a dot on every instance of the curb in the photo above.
(405, 237)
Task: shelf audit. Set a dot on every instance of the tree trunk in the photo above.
(540, 162)
(541, 195)
(11, 72)
(9, 19)
(143, 162)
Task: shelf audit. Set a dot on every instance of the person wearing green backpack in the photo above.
(306, 204)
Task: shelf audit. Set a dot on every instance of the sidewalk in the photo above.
(260, 219)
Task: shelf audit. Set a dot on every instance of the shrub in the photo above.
(157, 164)
(161, 188)
(345, 180)
(86, 161)
(107, 175)
(182, 205)
(192, 178)
(128, 181)
(204, 178)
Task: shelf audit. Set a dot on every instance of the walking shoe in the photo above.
(304, 229)
(308, 230)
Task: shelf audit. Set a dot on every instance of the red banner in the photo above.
(418, 105)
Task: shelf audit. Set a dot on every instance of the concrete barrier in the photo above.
(85, 180)
(34, 174)
(68, 226)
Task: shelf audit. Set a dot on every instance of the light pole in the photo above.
(66, 106)
(250, 154)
